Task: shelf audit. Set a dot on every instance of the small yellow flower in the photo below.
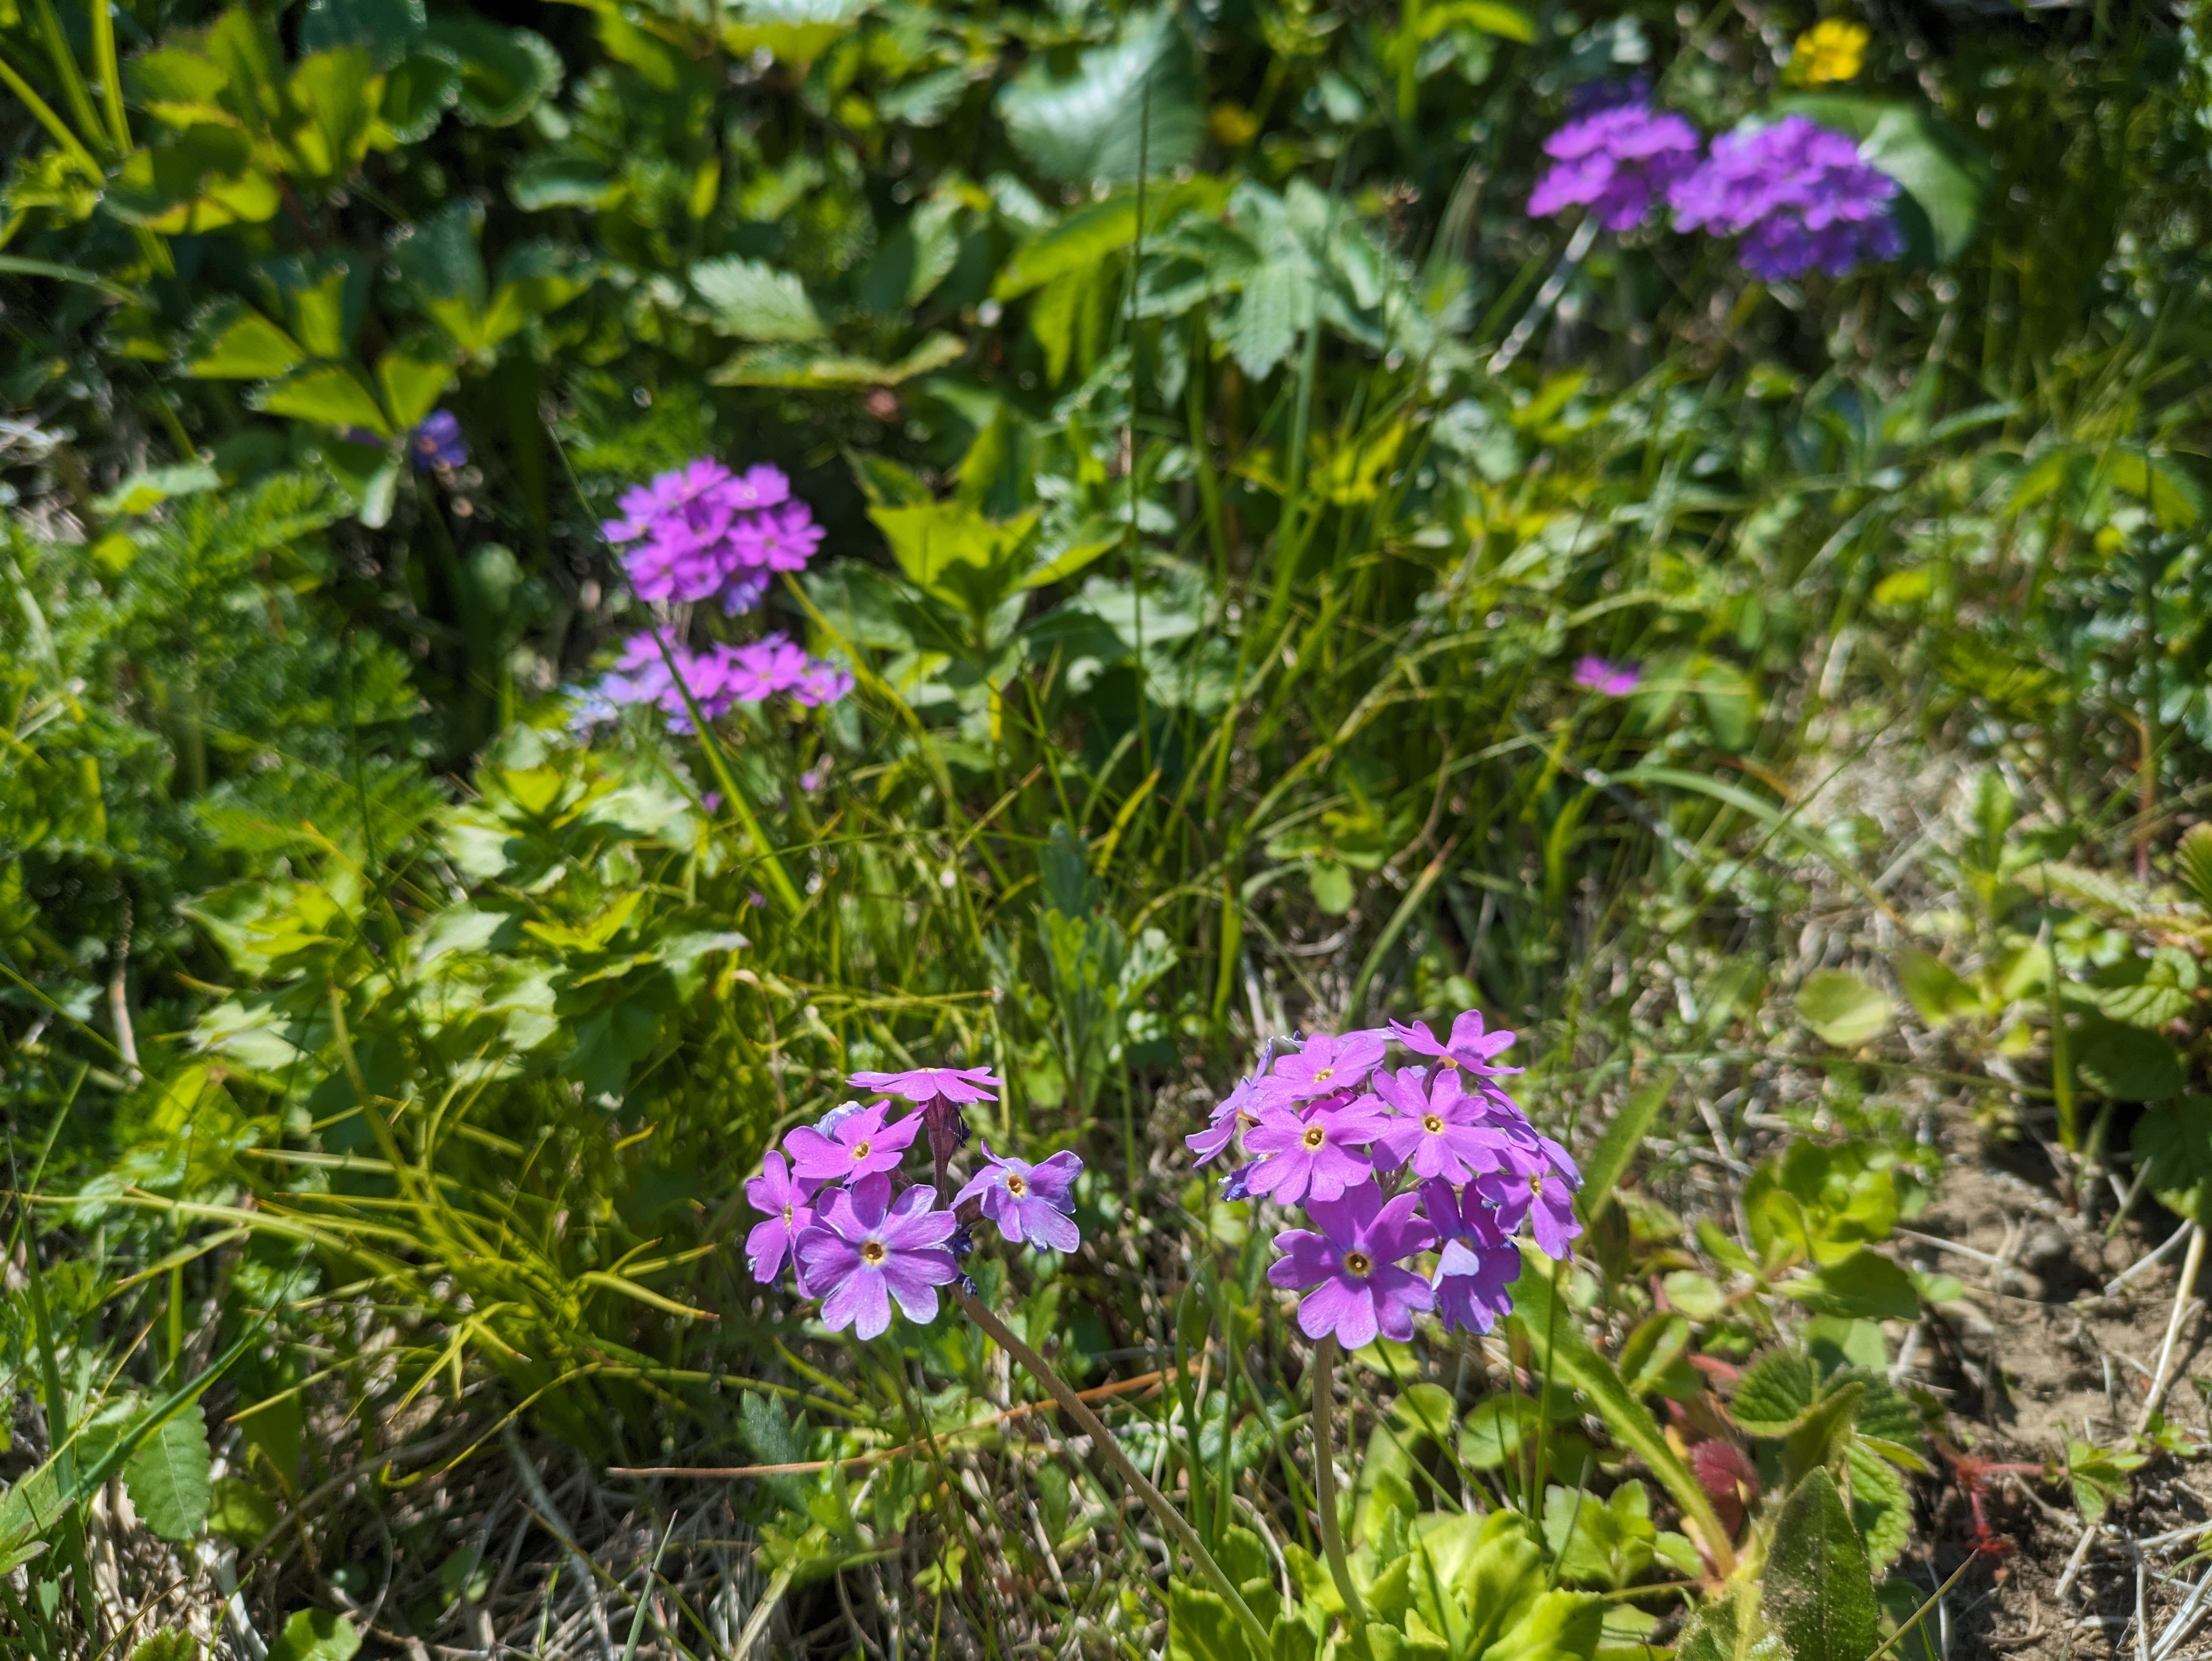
(1232, 125)
(1829, 51)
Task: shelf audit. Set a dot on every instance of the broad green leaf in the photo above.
(1490, 16)
(338, 93)
(1775, 1390)
(201, 179)
(753, 301)
(2160, 482)
(561, 181)
(1087, 236)
(1088, 125)
(233, 342)
(1559, 1624)
(1865, 1284)
(2099, 1476)
(2174, 1144)
(418, 90)
(1819, 1589)
(791, 32)
(168, 1477)
(797, 367)
(1881, 1507)
(329, 394)
(1730, 1628)
(241, 1511)
(2126, 1063)
(168, 1645)
(1844, 1009)
(1820, 1437)
(1202, 1627)
(2148, 992)
(412, 377)
(316, 1636)
(1936, 991)
(2192, 863)
(504, 71)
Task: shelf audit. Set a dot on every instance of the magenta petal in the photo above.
(861, 1302)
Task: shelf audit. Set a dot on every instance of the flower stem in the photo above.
(1170, 1519)
(1331, 1532)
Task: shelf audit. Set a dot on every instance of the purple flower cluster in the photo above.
(1614, 680)
(1798, 195)
(835, 1203)
(701, 532)
(1618, 161)
(1388, 1164)
(437, 444)
(719, 678)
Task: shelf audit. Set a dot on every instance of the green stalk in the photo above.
(1102, 1439)
(1331, 1530)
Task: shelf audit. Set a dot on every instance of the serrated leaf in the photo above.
(1774, 1391)
(169, 1644)
(2125, 1062)
(504, 71)
(2149, 992)
(2173, 1147)
(1274, 305)
(1882, 1508)
(386, 27)
(1843, 1009)
(1088, 126)
(418, 90)
(168, 1477)
(1818, 1588)
(2193, 862)
(751, 299)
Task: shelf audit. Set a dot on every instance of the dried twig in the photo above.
(2190, 1266)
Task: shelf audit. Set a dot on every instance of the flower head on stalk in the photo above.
(1618, 160)
(1353, 1265)
(1541, 1192)
(1032, 1204)
(859, 1145)
(1797, 193)
(866, 1250)
(1440, 1130)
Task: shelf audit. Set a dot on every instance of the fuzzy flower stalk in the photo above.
(872, 1244)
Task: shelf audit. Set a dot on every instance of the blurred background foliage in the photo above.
(1213, 580)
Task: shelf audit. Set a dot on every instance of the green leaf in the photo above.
(418, 90)
(2148, 992)
(1558, 1624)
(201, 179)
(795, 366)
(2126, 1063)
(386, 27)
(331, 394)
(1729, 1627)
(316, 1636)
(1865, 1284)
(1774, 1391)
(241, 1511)
(1506, 23)
(2192, 863)
(168, 1477)
(143, 492)
(413, 376)
(1088, 125)
(1202, 1627)
(339, 94)
(1844, 1009)
(2174, 1144)
(2099, 1476)
(561, 181)
(1819, 1438)
(1881, 1507)
(792, 32)
(1559, 1333)
(1609, 1160)
(753, 301)
(1936, 991)
(169, 1644)
(504, 71)
(1819, 1589)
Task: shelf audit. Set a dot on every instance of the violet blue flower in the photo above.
(438, 442)
(1314, 1155)
(1470, 1046)
(865, 1250)
(1353, 1264)
(1240, 1108)
(744, 592)
(1617, 160)
(859, 1144)
(926, 1083)
(1237, 1184)
(788, 1205)
(1323, 1064)
(1797, 193)
(1442, 1131)
(1614, 680)
(1032, 1204)
(1544, 1196)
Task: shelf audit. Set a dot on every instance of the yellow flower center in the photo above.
(1314, 1136)
(1324, 1075)
(1432, 1124)
(1015, 1185)
(788, 1215)
(872, 1253)
(1359, 1263)
(861, 1150)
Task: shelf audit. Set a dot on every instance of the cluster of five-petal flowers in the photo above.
(833, 1206)
(1391, 1163)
